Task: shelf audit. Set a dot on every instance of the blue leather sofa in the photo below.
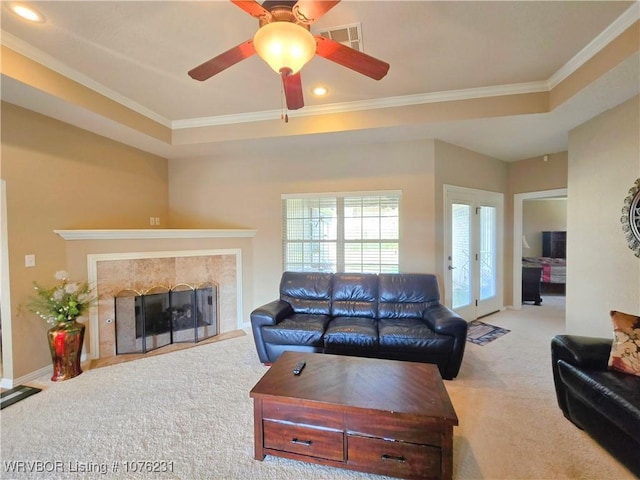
(392, 316)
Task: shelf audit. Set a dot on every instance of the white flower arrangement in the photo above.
(63, 302)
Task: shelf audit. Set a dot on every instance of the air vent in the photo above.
(349, 35)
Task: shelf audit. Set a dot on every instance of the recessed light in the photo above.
(320, 91)
(28, 13)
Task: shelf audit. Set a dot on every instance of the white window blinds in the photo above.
(346, 232)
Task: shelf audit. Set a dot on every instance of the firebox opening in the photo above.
(162, 316)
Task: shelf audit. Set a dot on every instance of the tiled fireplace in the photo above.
(162, 270)
(144, 269)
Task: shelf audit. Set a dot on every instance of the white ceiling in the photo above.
(139, 53)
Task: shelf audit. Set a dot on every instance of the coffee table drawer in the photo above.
(305, 415)
(312, 442)
(396, 459)
(396, 427)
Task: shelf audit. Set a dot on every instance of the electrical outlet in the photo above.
(157, 220)
(152, 221)
(30, 260)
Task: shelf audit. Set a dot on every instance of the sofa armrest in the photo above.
(445, 321)
(269, 314)
(584, 352)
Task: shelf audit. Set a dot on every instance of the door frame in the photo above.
(5, 293)
(518, 229)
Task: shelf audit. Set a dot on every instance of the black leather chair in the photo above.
(602, 402)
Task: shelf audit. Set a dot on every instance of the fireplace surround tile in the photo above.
(141, 274)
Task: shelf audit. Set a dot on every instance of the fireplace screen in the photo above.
(161, 316)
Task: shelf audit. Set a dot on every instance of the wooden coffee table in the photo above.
(379, 416)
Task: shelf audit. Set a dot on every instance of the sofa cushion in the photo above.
(354, 295)
(298, 329)
(307, 292)
(346, 333)
(407, 295)
(625, 350)
(398, 334)
(614, 395)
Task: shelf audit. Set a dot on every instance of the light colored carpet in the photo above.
(192, 408)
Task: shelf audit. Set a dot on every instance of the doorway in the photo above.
(518, 232)
(473, 251)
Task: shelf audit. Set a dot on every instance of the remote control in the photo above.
(298, 368)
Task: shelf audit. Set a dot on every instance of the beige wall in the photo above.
(536, 175)
(525, 176)
(602, 272)
(548, 215)
(244, 191)
(62, 177)
(462, 168)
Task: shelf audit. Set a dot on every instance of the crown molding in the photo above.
(32, 53)
(388, 102)
(154, 234)
(624, 21)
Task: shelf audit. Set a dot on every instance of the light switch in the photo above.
(30, 260)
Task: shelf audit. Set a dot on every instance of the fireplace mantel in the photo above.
(154, 233)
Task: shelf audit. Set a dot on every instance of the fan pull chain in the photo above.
(283, 106)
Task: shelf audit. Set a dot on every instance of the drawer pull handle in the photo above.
(306, 443)
(399, 458)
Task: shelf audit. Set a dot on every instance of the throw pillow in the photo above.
(625, 351)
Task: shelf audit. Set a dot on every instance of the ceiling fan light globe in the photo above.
(284, 45)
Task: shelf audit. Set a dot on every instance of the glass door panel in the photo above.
(488, 277)
(460, 255)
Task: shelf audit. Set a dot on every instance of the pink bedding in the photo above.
(554, 270)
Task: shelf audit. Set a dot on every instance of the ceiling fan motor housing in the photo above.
(282, 13)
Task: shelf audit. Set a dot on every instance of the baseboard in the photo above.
(10, 383)
(47, 370)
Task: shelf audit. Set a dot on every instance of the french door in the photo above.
(473, 251)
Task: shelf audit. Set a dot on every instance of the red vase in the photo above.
(65, 344)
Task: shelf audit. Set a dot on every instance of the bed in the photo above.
(554, 270)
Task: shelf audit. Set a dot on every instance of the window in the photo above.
(346, 232)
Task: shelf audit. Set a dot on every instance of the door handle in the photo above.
(451, 268)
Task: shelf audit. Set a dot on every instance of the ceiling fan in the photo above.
(286, 44)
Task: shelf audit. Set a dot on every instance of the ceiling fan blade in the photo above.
(308, 11)
(293, 90)
(350, 58)
(252, 7)
(223, 61)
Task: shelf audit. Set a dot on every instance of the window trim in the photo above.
(360, 193)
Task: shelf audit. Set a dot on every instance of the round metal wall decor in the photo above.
(631, 218)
